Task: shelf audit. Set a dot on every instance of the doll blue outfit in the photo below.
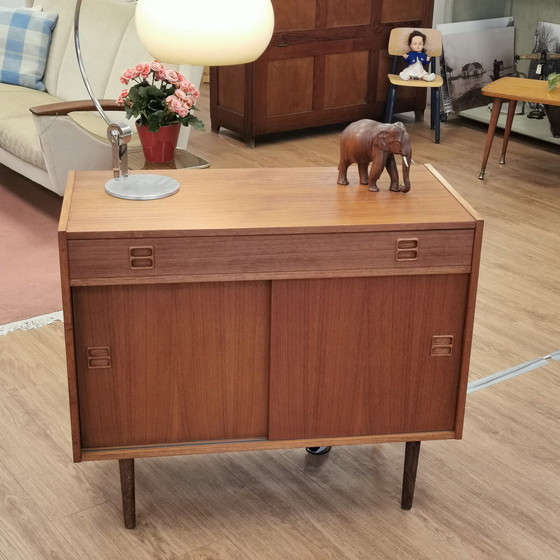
(415, 69)
(413, 56)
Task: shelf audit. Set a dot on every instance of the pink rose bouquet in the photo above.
(159, 96)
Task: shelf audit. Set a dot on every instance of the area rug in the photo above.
(29, 269)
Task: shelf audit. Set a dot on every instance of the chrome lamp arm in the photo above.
(119, 135)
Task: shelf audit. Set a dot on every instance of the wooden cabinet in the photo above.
(327, 63)
(266, 308)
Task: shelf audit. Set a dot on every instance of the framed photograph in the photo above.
(547, 40)
(474, 53)
(474, 59)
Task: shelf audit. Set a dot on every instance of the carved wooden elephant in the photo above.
(367, 141)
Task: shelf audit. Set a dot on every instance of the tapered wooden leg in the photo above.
(496, 108)
(507, 131)
(411, 455)
(126, 467)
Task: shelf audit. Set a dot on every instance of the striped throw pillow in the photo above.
(25, 38)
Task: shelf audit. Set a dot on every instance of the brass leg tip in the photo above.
(503, 159)
(481, 174)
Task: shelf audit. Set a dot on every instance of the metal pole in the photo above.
(118, 134)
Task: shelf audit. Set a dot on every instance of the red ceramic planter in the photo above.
(159, 146)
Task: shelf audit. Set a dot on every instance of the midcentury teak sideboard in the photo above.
(266, 308)
(327, 63)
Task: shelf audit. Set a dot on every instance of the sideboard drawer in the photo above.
(329, 253)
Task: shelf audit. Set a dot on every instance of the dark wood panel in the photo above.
(376, 332)
(294, 15)
(404, 10)
(231, 90)
(348, 13)
(289, 89)
(172, 363)
(343, 69)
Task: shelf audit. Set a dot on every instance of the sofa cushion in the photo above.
(16, 100)
(19, 137)
(25, 37)
(17, 128)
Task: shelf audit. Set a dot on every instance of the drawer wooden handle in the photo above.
(407, 249)
(442, 345)
(99, 357)
(141, 258)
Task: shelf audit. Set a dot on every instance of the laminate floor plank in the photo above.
(219, 550)
(175, 525)
(246, 519)
(98, 532)
(41, 467)
(25, 531)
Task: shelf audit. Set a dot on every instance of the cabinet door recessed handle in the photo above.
(141, 257)
(442, 345)
(407, 249)
(98, 357)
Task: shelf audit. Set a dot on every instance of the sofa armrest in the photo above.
(65, 107)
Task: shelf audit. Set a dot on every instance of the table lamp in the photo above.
(209, 33)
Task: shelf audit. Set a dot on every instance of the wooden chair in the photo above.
(398, 46)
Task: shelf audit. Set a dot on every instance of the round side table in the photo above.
(183, 159)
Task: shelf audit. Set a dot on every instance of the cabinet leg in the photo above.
(496, 108)
(411, 455)
(126, 468)
(512, 104)
(418, 115)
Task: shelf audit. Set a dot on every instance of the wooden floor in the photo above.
(493, 495)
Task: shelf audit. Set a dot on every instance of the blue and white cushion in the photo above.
(25, 38)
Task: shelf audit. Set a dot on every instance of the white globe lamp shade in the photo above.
(205, 33)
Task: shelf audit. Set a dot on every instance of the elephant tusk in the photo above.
(406, 161)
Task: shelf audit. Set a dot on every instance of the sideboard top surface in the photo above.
(262, 201)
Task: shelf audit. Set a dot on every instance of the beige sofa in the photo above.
(44, 146)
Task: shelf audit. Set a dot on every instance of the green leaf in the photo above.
(553, 80)
(191, 120)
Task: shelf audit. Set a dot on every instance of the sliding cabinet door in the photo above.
(363, 356)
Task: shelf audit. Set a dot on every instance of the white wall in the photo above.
(443, 12)
(12, 3)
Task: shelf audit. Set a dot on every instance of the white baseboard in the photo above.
(32, 323)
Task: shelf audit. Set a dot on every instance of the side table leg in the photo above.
(126, 468)
(496, 108)
(411, 455)
(511, 113)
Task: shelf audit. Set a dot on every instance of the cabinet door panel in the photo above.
(231, 90)
(294, 15)
(348, 13)
(289, 88)
(404, 10)
(172, 363)
(358, 356)
(342, 69)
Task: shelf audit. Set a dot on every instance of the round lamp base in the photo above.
(142, 187)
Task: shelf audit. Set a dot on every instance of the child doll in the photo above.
(416, 58)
